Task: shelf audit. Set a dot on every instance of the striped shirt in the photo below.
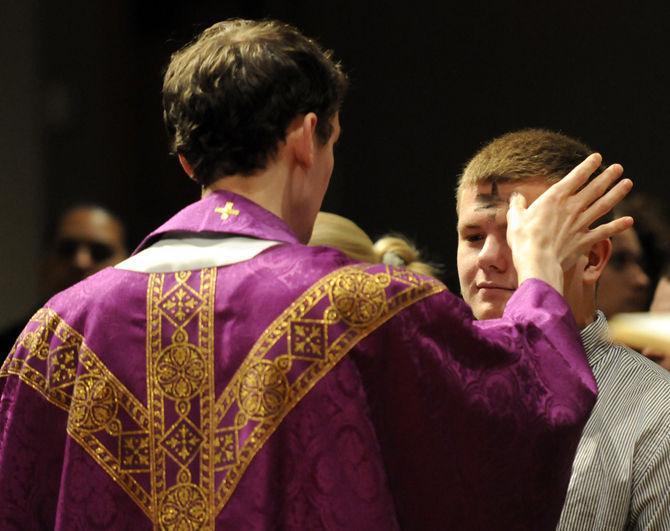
(621, 473)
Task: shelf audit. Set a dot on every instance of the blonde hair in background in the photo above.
(331, 230)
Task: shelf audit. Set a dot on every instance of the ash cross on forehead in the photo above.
(491, 200)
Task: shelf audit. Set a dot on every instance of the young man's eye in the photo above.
(474, 238)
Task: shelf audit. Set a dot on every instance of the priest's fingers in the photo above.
(606, 203)
(607, 230)
(517, 205)
(569, 184)
(598, 186)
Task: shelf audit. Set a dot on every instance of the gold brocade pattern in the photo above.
(181, 457)
(263, 390)
(359, 297)
(180, 389)
(94, 404)
(104, 417)
(180, 369)
(298, 349)
(184, 508)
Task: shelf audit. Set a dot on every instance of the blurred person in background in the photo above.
(633, 280)
(661, 304)
(649, 332)
(638, 255)
(661, 300)
(85, 239)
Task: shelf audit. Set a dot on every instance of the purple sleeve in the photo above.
(479, 422)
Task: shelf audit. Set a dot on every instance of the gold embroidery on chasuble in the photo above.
(103, 416)
(181, 457)
(298, 349)
(227, 211)
(180, 394)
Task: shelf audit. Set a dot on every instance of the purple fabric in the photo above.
(203, 218)
(430, 420)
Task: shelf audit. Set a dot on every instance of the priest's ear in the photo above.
(186, 165)
(598, 256)
(301, 139)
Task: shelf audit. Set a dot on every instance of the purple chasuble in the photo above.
(295, 390)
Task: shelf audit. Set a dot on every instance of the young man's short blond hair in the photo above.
(527, 154)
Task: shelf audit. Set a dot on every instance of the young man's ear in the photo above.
(599, 255)
(302, 139)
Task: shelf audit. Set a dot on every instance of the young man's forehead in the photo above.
(481, 197)
(477, 214)
(495, 194)
(488, 197)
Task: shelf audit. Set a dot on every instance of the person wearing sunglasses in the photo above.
(85, 239)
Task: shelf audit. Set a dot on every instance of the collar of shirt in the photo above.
(595, 338)
(186, 254)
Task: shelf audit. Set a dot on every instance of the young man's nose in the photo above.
(494, 254)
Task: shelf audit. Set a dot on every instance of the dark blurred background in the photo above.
(80, 111)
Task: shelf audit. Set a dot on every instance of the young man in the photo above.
(621, 474)
(229, 376)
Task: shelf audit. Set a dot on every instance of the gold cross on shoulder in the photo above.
(227, 211)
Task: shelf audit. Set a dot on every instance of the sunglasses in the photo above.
(67, 248)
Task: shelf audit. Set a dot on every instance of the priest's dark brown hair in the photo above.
(230, 95)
